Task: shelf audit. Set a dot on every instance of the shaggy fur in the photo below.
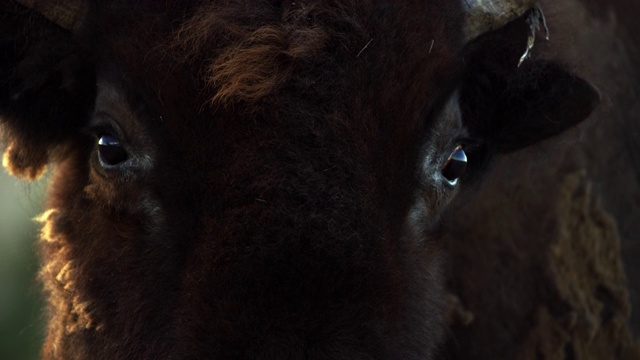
(568, 277)
(278, 197)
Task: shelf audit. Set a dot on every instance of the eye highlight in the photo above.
(110, 151)
(455, 165)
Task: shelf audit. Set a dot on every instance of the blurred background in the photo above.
(21, 305)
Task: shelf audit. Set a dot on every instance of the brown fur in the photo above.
(557, 225)
(282, 192)
(260, 57)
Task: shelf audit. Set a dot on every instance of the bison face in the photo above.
(260, 180)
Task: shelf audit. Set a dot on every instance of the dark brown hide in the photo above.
(281, 193)
(557, 226)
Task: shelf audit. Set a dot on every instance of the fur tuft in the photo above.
(26, 165)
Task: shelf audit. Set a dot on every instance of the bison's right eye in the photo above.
(455, 165)
(110, 151)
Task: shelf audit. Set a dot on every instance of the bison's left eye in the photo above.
(455, 165)
(110, 151)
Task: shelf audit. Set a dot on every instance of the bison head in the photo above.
(249, 179)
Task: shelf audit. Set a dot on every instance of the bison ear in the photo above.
(515, 108)
(47, 87)
(510, 106)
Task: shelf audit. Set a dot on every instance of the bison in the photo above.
(544, 259)
(264, 179)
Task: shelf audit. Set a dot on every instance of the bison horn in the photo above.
(486, 15)
(66, 14)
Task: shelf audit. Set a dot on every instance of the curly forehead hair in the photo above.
(252, 49)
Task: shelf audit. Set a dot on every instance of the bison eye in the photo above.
(110, 151)
(455, 165)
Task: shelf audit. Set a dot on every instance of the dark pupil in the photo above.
(455, 165)
(111, 151)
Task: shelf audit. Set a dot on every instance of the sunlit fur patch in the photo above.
(46, 233)
(72, 313)
(19, 165)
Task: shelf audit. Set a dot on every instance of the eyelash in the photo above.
(469, 144)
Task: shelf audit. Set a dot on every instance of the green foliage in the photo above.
(21, 304)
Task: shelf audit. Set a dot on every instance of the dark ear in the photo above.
(534, 102)
(47, 88)
(511, 107)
